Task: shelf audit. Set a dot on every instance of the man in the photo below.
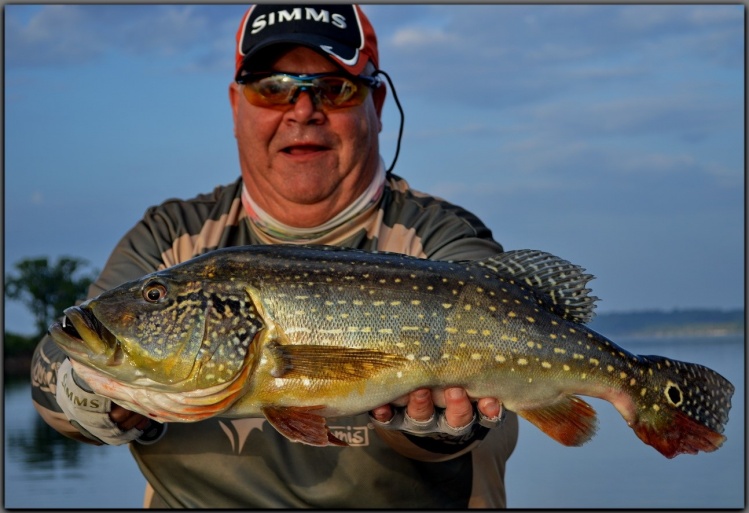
(306, 102)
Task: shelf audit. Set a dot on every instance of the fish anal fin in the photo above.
(679, 435)
(300, 424)
(570, 421)
(330, 362)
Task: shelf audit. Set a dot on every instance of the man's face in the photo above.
(304, 154)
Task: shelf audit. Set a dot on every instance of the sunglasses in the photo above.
(331, 90)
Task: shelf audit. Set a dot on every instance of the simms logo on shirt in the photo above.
(239, 430)
(297, 14)
(352, 435)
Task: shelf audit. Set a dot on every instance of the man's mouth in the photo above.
(303, 149)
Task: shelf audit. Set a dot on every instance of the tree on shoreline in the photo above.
(47, 289)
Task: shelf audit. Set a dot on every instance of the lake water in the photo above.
(613, 470)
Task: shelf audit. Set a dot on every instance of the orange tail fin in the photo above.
(684, 407)
(683, 436)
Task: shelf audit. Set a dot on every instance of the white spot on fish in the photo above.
(297, 329)
(332, 332)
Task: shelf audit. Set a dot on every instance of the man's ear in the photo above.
(378, 96)
(234, 97)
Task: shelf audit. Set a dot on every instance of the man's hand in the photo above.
(126, 419)
(98, 417)
(419, 416)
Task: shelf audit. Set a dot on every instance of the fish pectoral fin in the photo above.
(330, 362)
(299, 424)
(570, 421)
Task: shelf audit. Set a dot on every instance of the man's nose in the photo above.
(306, 107)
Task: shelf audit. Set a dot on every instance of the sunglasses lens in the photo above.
(280, 90)
(273, 90)
(341, 92)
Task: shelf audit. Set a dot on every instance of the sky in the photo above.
(610, 135)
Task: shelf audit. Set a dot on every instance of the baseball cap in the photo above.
(339, 31)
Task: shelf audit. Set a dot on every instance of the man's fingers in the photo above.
(126, 419)
(489, 406)
(458, 407)
(382, 413)
(420, 406)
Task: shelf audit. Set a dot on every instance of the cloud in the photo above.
(686, 115)
(415, 37)
(56, 35)
(66, 35)
(517, 54)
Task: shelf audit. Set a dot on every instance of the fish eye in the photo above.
(154, 292)
(674, 394)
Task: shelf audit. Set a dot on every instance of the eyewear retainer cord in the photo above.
(402, 120)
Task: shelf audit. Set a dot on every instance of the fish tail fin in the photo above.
(685, 409)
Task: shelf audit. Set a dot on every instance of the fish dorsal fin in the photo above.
(558, 283)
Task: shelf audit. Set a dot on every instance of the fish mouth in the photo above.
(81, 335)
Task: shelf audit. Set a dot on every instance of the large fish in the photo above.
(298, 334)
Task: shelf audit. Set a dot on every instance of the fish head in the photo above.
(179, 329)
